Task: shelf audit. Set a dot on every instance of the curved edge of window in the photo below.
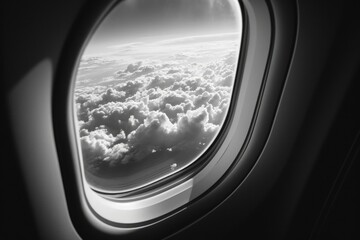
(134, 216)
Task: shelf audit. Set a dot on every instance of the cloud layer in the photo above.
(152, 110)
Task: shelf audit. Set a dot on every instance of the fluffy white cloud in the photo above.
(149, 108)
(100, 146)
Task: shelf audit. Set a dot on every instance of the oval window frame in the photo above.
(79, 209)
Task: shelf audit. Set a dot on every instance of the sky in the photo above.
(153, 89)
(154, 20)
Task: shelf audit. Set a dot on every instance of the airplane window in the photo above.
(153, 89)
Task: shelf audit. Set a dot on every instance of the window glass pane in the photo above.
(153, 88)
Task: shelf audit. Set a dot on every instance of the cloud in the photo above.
(173, 111)
(201, 39)
(125, 45)
(99, 146)
(88, 63)
(170, 109)
(129, 87)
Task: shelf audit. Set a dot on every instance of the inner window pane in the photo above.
(153, 88)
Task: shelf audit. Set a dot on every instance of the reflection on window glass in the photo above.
(153, 88)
